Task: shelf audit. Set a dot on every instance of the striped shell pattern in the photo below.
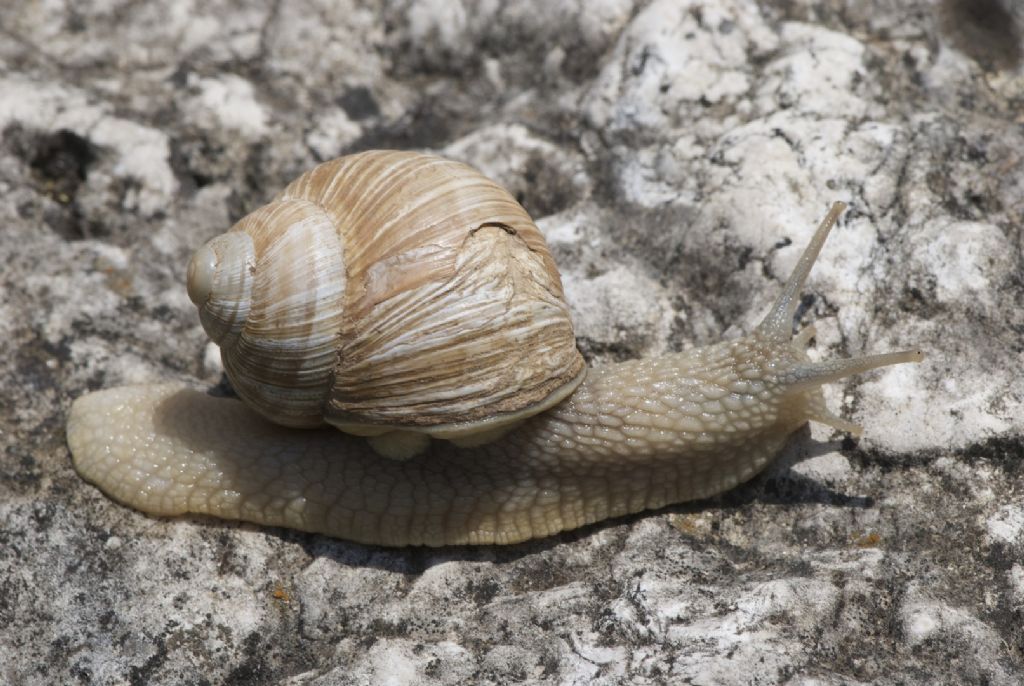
(389, 291)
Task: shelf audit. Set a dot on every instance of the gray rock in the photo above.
(678, 154)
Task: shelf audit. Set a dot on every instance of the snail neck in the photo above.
(717, 398)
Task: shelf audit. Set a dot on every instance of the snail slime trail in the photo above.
(419, 264)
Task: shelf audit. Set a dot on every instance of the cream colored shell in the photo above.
(389, 290)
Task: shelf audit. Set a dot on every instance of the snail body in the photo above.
(627, 437)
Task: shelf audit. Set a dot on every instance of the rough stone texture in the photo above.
(678, 154)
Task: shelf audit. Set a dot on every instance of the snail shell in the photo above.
(391, 294)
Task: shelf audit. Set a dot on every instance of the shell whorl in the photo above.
(389, 290)
(220, 284)
(285, 280)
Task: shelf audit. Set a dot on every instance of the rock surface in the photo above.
(678, 154)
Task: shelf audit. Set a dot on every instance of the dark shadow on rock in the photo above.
(985, 31)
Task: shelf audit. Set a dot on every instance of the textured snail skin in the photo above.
(634, 436)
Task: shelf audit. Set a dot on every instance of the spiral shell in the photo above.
(389, 291)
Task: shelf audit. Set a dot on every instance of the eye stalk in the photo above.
(806, 376)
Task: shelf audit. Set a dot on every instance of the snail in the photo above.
(402, 298)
